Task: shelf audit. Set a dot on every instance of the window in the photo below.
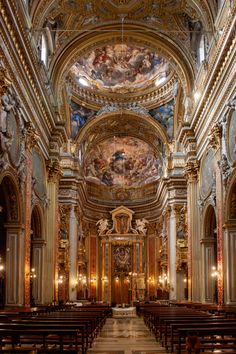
(201, 50)
(44, 49)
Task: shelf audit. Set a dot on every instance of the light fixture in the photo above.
(215, 272)
(32, 273)
(60, 280)
(83, 81)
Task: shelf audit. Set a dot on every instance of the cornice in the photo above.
(216, 64)
(19, 48)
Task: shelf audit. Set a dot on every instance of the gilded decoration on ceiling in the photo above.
(79, 116)
(120, 67)
(165, 116)
(123, 161)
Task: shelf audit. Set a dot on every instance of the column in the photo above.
(194, 259)
(217, 139)
(26, 182)
(51, 254)
(73, 239)
(172, 253)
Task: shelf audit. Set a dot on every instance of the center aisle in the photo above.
(125, 336)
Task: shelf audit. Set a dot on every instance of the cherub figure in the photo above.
(102, 226)
(140, 225)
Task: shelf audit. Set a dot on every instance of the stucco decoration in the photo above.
(124, 161)
(232, 137)
(120, 68)
(207, 173)
(38, 175)
(14, 150)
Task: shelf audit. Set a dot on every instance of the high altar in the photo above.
(123, 253)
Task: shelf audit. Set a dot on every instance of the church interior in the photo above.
(117, 152)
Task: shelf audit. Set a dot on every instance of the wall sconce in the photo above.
(215, 272)
(185, 280)
(60, 279)
(32, 273)
(75, 283)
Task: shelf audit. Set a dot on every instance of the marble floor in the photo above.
(125, 336)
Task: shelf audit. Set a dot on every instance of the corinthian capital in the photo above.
(191, 171)
(31, 136)
(5, 81)
(215, 136)
(54, 170)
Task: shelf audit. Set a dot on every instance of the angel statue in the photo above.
(102, 226)
(140, 225)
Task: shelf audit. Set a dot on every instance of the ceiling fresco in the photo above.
(120, 68)
(122, 161)
(79, 116)
(165, 116)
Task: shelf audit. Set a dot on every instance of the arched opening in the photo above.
(209, 243)
(3, 220)
(11, 273)
(230, 245)
(36, 257)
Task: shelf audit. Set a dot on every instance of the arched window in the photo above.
(44, 50)
(201, 50)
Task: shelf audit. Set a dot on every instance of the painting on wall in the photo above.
(232, 137)
(79, 116)
(165, 116)
(120, 67)
(207, 173)
(121, 259)
(122, 161)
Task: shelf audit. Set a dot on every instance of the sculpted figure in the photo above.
(140, 225)
(102, 226)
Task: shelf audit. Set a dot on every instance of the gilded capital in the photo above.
(215, 136)
(54, 170)
(31, 136)
(5, 81)
(191, 171)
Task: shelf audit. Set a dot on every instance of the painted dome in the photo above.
(122, 161)
(120, 68)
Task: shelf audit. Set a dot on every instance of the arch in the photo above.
(36, 256)
(10, 242)
(60, 66)
(230, 241)
(209, 255)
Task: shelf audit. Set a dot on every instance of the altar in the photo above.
(124, 312)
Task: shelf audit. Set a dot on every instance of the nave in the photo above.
(125, 336)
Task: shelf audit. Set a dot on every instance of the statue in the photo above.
(102, 226)
(140, 225)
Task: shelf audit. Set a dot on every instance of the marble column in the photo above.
(194, 250)
(51, 270)
(172, 253)
(73, 255)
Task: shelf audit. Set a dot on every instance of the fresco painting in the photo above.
(207, 173)
(120, 67)
(232, 137)
(123, 161)
(79, 116)
(165, 116)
